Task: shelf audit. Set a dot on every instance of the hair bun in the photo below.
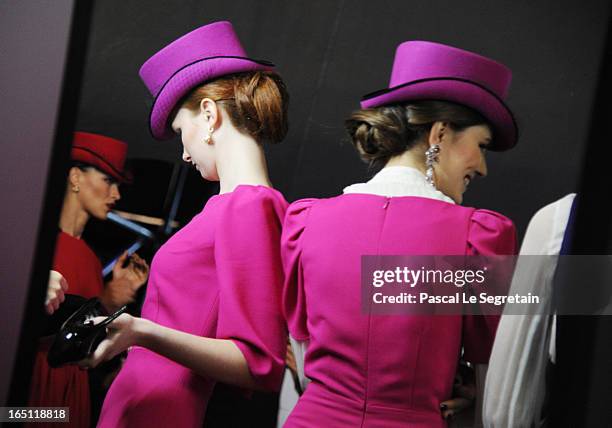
(261, 101)
(378, 134)
(256, 102)
(381, 133)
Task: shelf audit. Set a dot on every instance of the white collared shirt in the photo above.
(399, 181)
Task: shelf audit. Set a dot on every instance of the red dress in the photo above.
(69, 385)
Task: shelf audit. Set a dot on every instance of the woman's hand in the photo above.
(56, 288)
(219, 359)
(464, 393)
(122, 333)
(291, 364)
(463, 399)
(126, 281)
(290, 360)
(136, 272)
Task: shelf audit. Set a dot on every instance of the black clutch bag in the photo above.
(79, 336)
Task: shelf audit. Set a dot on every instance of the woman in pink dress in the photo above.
(211, 311)
(429, 130)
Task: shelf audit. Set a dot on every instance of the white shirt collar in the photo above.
(399, 181)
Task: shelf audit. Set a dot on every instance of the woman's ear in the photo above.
(210, 112)
(437, 133)
(74, 176)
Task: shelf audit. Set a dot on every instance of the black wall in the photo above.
(331, 52)
(42, 46)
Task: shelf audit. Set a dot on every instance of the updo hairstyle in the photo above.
(383, 132)
(256, 102)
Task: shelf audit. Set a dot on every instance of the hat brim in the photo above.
(187, 78)
(90, 157)
(460, 91)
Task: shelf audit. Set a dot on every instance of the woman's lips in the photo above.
(466, 182)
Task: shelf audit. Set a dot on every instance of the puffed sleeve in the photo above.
(294, 299)
(247, 257)
(490, 233)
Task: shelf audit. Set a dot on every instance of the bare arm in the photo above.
(218, 359)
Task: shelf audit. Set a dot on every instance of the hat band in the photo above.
(261, 61)
(430, 79)
(111, 166)
(457, 79)
(258, 61)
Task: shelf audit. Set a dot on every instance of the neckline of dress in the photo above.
(395, 181)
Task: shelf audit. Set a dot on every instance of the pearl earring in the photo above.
(208, 138)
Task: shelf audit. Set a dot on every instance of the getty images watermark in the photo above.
(486, 285)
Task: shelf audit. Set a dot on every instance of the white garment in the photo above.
(390, 181)
(288, 395)
(515, 384)
(399, 181)
(288, 399)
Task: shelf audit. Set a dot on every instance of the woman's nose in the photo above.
(115, 192)
(482, 168)
(186, 156)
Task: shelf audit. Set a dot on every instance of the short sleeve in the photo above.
(247, 257)
(489, 234)
(294, 299)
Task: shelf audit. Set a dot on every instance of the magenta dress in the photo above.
(220, 276)
(379, 371)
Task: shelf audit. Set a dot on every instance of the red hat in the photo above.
(105, 153)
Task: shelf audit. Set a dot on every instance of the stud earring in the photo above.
(75, 189)
(431, 157)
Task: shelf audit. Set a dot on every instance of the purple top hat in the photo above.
(432, 71)
(203, 54)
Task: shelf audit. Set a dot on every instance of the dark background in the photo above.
(331, 52)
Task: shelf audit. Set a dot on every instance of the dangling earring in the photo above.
(75, 189)
(431, 157)
(208, 137)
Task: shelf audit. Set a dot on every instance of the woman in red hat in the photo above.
(92, 189)
(212, 310)
(368, 365)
